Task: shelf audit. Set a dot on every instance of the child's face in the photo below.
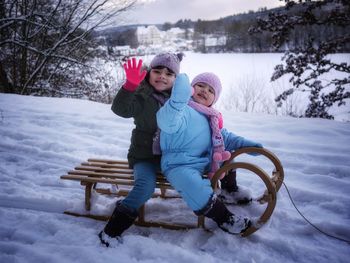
(161, 79)
(203, 94)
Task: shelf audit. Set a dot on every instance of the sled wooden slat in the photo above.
(116, 181)
(88, 179)
(106, 165)
(107, 175)
(103, 170)
(95, 173)
(109, 161)
(138, 222)
(160, 179)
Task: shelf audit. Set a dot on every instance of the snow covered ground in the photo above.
(246, 81)
(43, 138)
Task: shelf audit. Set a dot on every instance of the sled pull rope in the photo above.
(309, 222)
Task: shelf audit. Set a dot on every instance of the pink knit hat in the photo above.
(212, 80)
(169, 60)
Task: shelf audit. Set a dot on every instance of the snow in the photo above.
(245, 79)
(43, 138)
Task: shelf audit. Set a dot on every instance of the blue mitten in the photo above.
(182, 90)
(248, 143)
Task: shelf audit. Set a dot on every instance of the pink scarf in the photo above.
(219, 153)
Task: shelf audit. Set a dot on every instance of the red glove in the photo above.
(133, 73)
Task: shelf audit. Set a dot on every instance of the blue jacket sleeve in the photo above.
(170, 117)
(234, 142)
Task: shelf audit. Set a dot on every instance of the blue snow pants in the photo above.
(145, 183)
(188, 181)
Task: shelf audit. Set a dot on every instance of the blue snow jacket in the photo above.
(185, 137)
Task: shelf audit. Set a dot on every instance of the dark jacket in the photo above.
(142, 106)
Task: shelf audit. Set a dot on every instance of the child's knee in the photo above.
(195, 190)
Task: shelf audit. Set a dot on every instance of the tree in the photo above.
(166, 26)
(309, 60)
(42, 40)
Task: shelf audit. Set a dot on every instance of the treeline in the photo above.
(239, 37)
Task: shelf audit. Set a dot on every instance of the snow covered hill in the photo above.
(43, 138)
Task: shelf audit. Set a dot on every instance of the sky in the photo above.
(161, 11)
(43, 138)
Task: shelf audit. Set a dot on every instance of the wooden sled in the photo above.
(96, 172)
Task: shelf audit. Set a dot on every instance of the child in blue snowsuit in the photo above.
(187, 148)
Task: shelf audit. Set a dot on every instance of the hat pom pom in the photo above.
(226, 155)
(221, 156)
(217, 157)
(180, 56)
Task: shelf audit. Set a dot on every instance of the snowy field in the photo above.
(246, 82)
(43, 138)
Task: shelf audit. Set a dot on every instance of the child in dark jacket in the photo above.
(140, 98)
(192, 143)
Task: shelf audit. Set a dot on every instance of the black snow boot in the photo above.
(121, 219)
(230, 192)
(229, 182)
(227, 221)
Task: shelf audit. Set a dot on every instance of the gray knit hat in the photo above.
(212, 80)
(169, 60)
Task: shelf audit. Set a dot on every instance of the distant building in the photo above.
(149, 35)
(123, 50)
(175, 32)
(214, 43)
(170, 40)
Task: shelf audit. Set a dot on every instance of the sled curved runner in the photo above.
(277, 174)
(96, 172)
(272, 183)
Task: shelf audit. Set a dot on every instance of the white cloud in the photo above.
(161, 11)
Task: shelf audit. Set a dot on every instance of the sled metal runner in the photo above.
(96, 172)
